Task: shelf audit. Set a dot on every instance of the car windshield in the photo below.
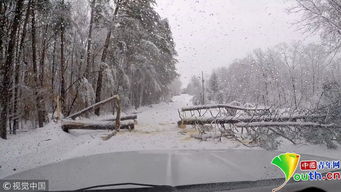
(169, 92)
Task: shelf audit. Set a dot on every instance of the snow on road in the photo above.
(156, 130)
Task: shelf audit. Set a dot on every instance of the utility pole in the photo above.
(203, 87)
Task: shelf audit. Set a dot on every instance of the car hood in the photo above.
(172, 168)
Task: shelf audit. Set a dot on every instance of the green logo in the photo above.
(287, 162)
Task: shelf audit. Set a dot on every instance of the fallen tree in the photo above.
(206, 136)
(92, 107)
(285, 124)
(259, 126)
(109, 124)
(95, 125)
(234, 120)
(123, 118)
(225, 106)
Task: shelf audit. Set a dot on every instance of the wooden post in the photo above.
(203, 87)
(58, 108)
(117, 104)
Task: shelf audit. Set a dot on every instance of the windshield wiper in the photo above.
(154, 187)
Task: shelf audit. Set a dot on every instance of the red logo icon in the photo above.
(308, 165)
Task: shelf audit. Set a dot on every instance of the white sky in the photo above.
(212, 33)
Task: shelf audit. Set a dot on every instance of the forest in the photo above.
(60, 58)
(288, 79)
(66, 55)
(293, 75)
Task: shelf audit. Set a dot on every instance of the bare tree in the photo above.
(17, 69)
(323, 17)
(88, 52)
(7, 68)
(62, 66)
(37, 87)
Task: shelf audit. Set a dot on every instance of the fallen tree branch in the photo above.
(285, 124)
(107, 137)
(95, 125)
(279, 124)
(200, 107)
(92, 107)
(283, 135)
(123, 118)
(206, 136)
(234, 120)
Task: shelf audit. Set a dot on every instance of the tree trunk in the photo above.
(117, 104)
(235, 120)
(294, 90)
(104, 56)
(285, 124)
(42, 74)
(88, 53)
(35, 69)
(122, 118)
(53, 69)
(72, 58)
(62, 70)
(266, 99)
(2, 31)
(14, 115)
(6, 70)
(17, 69)
(224, 106)
(42, 59)
(141, 92)
(99, 89)
(94, 106)
(96, 125)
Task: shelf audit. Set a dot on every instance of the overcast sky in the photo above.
(212, 33)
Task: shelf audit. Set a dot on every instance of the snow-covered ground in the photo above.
(156, 130)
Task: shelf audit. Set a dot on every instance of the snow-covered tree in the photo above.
(195, 88)
(76, 53)
(148, 49)
(290, 75)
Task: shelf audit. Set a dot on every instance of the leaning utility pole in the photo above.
(203, 88)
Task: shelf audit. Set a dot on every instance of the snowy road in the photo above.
(156, 130)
